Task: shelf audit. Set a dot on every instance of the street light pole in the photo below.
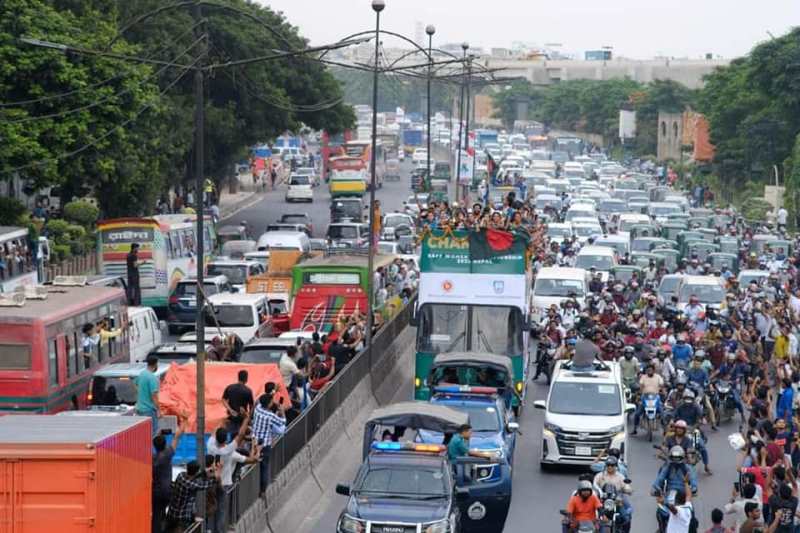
(199, 185)
(464, 47)
(466, 135)
(377, 6)
(430, 30)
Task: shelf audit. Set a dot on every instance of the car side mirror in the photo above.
(343, 489)
(540, 404)
(512, 427)
(630, 407)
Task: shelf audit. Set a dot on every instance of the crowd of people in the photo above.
(15, 258)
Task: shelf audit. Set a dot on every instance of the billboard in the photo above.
(627, 124)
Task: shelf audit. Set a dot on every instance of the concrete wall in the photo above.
(313, 474)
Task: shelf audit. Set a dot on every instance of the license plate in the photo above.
(583, 450)
(189, 303)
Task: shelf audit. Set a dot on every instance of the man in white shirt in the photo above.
(225, 453)
(680, 512)
(737, 503)
(781, 218)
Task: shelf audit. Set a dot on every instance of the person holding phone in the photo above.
(269, 422)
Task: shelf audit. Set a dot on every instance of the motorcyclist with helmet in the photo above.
(610, 475)
(733, 372)
(682, 352)
(699, 380)
(690, 413)
(674, 471)
(630, 368)
(582, 508)
(618, 509)
(664, 366)
(599, 465)
(650, 383)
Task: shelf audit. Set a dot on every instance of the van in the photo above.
(245, 315)
(144, 332)
(182, 306)
(601, 258)
(554, 285)
(284, 240)
(238, 272)
(709, 290)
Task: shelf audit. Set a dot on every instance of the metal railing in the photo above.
(242, 494)
(305, 427)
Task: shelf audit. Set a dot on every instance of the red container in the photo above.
(69, 474)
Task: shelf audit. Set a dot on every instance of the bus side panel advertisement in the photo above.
(473, 289)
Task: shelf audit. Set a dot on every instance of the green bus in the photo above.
(473, 297)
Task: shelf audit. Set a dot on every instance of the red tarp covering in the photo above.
(703, 149)
(177, 394)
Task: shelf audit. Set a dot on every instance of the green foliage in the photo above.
(593, 106)
(57, 229)
(120, 135)
(81, 212)
(11, 211)
(60, 252)
(753, 108)
(756, 209)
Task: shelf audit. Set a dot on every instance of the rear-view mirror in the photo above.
(343, 489)
(540, 404)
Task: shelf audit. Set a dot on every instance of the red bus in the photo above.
(42, 365)
(332, 146)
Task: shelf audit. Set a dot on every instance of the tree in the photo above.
(658, 96)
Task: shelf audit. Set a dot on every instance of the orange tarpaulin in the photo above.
(703, 149)
(177, 394)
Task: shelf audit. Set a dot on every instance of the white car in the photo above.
(554, 285)
(585, 414)
(601, 258)
(420, 155)
(300, 189)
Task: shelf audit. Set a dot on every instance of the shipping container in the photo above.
(71, 474)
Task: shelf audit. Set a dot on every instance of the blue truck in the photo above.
(412, 139)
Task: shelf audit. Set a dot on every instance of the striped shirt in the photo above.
(267, 426)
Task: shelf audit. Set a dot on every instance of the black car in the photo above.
(349, 209)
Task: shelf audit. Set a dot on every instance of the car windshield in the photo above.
(184, 290)
(558, 232)
(599, 262)
(669, 285)
(619, 247)
(231, 316)
(558, 287)
(396, 480)
(482, 418)
(707, 294)
(347, 209)
(587, 231)
(113, 391)
(294, 219)
(386, 248)
(300, 180)
(262, 354)
(745, 279)
(236, 274)
(612, 207)
(342, 232)
(451, 327)
(581, 398)
(391, 221)
(664, 209)
(642, 245)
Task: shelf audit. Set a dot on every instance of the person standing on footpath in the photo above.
(133, 263)
(237, 398)
(162, 475)
(147, 393)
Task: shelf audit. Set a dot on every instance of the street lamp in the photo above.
(377, 7)
(464, 47)
(430, 30)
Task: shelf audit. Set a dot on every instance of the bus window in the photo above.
(15, 356)
(73, 358)
(168, 242)
(52, 359)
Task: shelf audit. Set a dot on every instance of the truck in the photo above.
(80, 473)
(277, 284)
(483, 137)
(412, 138)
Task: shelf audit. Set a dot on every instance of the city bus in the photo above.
(327, 288)
(167, 248)
(472, 302)
(332, 146)
(18, 260)
(43, 368)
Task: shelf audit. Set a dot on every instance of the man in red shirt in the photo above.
(582, 507)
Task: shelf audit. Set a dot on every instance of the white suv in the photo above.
(585, 413)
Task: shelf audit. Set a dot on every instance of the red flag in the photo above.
(499, 241)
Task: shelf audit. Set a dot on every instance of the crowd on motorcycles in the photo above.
(688, 370)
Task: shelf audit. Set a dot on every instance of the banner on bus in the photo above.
(483, 252)
(476, 289)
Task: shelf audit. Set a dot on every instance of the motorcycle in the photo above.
(612, 517)
(651, 407)
(726, 403)
(545, 357)
(584, 526)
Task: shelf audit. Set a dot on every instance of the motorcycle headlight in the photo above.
(609, 505)
(442, 526)
(348, 524)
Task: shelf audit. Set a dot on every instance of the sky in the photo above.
(637, 29)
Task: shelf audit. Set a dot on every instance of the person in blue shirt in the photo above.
(674, 472)
(783, 405)
(696, 374)
(732, 372)
(682, 353)
(147, 393)
(459, 445)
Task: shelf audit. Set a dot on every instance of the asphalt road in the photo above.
(273, 205)
(539, 495)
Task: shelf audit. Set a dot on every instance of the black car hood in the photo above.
(377, 509)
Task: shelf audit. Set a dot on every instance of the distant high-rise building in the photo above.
(419, 33)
